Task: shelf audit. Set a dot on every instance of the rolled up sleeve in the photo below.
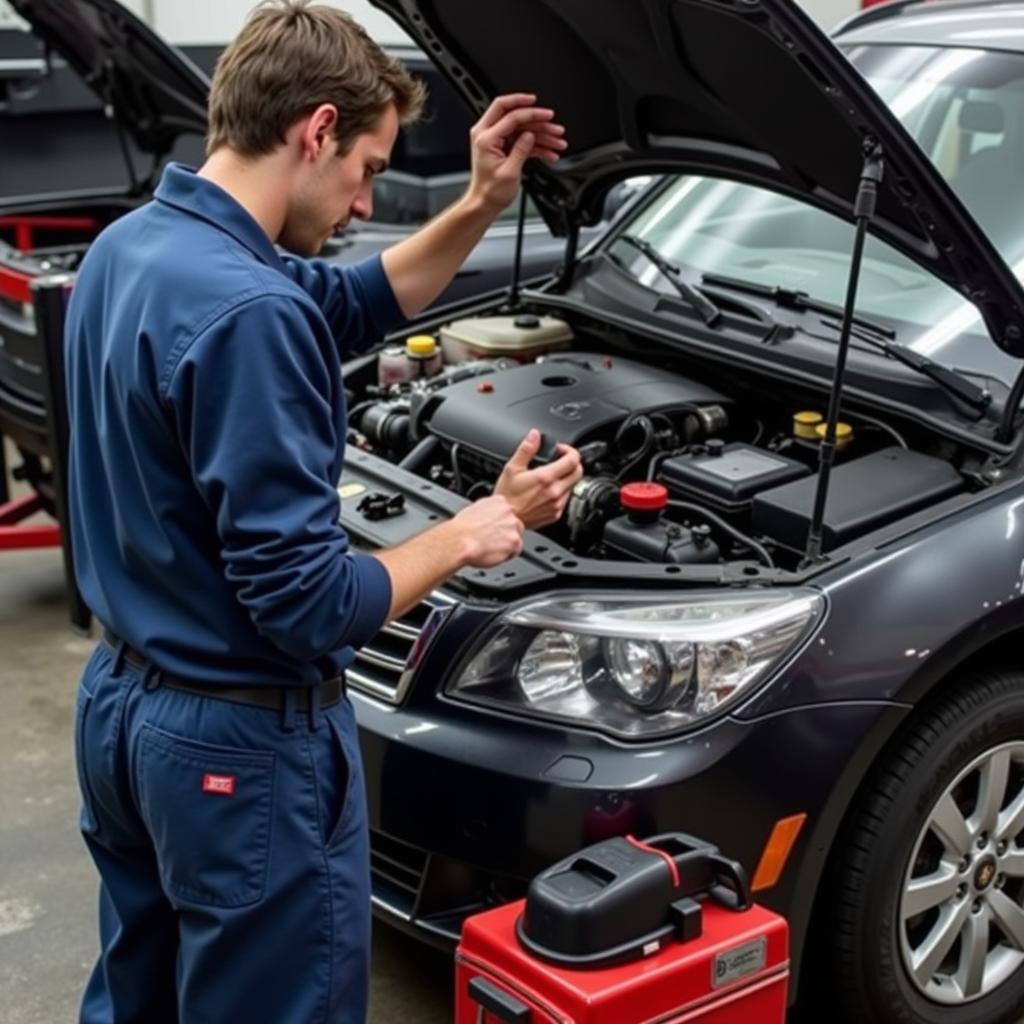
(357, 301)
(254, 404)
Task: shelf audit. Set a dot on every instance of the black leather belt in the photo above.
(273, 697)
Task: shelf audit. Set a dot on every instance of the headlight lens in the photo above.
(636, 667)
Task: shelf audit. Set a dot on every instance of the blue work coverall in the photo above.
(208, 431)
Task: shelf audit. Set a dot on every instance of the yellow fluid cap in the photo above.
(421, 345)
(804, 424)
(844, 433)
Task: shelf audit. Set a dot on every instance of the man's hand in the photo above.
(490, 532)
(510, 132)
(539, 495)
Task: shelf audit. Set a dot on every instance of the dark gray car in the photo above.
(713, 640)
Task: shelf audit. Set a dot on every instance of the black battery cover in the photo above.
(863, 494)
(728, 476)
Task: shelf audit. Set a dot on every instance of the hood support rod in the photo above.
(863, 211)
(517, 262)
(572, 244)
(1010, 410)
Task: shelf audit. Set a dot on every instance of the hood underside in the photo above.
(750, 90)
(155, 92)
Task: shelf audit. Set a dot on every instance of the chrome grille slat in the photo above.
(384, 661)
(367, 684)
(401, 630)
(380, 667)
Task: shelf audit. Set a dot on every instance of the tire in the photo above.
(928, 926)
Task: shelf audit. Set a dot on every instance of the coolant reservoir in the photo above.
(424, 357)
(804, 424)
(522, 337)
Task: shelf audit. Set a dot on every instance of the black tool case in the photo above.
(622, 898)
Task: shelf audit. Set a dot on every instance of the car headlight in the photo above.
(636, 666)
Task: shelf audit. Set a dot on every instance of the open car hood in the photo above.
(153, 90)
(750, 90)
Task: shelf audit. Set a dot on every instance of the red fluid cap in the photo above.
(485, 387)
(643, 497)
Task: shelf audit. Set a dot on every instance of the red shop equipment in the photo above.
(33, 413)
(627, 932)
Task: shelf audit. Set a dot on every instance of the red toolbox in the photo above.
(735, 971)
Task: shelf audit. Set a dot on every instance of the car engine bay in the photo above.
(678, 471)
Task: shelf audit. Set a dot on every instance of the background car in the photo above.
(701, 666)
(78, 161)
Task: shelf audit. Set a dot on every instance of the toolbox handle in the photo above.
(497, 1002)
(729, 887)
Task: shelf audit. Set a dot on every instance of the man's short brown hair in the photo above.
(289, 59)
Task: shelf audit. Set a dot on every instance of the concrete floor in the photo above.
(47, 882)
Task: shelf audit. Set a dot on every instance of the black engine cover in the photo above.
(568, 399)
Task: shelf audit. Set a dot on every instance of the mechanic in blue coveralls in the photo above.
(223, 798)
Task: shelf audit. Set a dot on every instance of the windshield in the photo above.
(965, 108)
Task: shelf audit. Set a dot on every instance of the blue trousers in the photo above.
(233, 856)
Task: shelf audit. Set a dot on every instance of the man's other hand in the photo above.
(510, 132)
(490, 532)
(539, 495)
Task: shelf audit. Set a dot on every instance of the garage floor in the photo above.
(47, 882)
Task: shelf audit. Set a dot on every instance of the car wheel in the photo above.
(929, 917)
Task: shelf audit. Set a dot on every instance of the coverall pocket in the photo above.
(334, 787)
(87, 818)
(208, 809)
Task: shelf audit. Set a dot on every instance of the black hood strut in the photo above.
(864, 210)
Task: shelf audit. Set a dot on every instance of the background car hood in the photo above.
(750, 90)
(155, 92)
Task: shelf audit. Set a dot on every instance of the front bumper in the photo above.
(467, 805)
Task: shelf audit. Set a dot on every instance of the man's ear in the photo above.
(319, 128)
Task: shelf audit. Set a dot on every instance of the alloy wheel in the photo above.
(961, 913)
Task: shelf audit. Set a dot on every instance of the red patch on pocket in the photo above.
(223, 785)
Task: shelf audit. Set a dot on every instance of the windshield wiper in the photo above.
(790, 298)
(708, 311)
(956, 384)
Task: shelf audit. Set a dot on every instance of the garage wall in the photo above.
(205, 21)
(8, 19)
(200, 21)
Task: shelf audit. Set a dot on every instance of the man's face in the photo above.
(337, 187)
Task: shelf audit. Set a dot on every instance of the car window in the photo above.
(966, 110)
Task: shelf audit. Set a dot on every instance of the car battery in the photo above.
(627, 932)
(726, 477)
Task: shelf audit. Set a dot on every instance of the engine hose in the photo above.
(481, 489)
(658, 459)
(456, 471)
(640, 421)
(634, 456)
(884, 427)
(725, 527)
(414, 460)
